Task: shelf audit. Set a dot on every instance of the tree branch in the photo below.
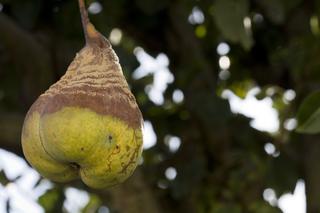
(30, 59)
(312, 173)
(134, 196)
(10, 128)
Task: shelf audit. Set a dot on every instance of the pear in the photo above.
(88, 124)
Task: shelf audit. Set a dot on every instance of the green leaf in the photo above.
(241, 88)
(93, 204)
(263, 207)
(229, 16)
(309, 114)
(3, 178)
(274, 10)
(52, 200)
(282, 174)
(277, 10)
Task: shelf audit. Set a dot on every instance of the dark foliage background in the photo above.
(221, 163)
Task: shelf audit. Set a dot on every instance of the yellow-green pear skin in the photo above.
(88, 124)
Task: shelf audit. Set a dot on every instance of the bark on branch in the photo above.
(29, 57)
(10, 128)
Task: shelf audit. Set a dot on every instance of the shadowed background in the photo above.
(218, 82)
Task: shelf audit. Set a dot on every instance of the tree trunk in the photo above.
(312, 174)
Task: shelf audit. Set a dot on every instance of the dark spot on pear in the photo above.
(110, 138)
(74, 165)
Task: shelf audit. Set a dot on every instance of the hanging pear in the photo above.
(87, 124)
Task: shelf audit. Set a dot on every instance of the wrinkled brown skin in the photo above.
(94, 80)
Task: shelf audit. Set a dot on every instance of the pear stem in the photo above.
(85, 19)
(91, 34)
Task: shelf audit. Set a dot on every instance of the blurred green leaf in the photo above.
(241, 88)
(52, 200)
(93, 204)
(309, 114)
(229, 17)
(276, 10)
(225, 208)
(263, 207)
(282, 174)
(3, 178)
